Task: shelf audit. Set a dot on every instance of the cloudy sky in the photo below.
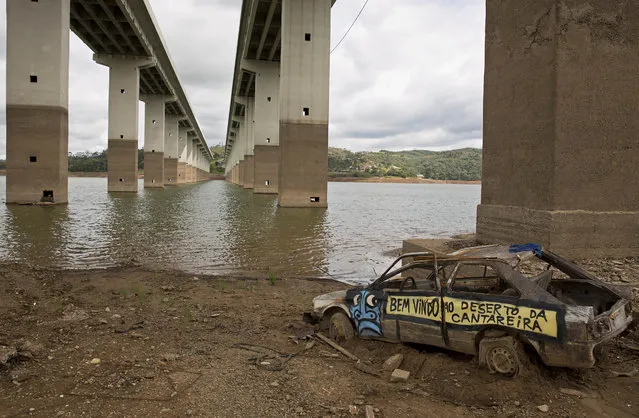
(409, 75)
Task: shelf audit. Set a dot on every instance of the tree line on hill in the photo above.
(462, 164)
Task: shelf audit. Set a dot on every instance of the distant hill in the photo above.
(462, 164)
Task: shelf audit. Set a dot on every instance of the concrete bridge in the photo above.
(277, 135)
(560, 117)
(124, 36)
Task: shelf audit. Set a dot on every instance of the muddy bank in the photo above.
(400, 180)
(141, 343)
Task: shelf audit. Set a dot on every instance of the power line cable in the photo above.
(351, 26)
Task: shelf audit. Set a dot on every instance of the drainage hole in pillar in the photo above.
(122, 91)
(268, 140)
(268, 98)
(121, 136)
(33, 78)
(315, 199)
(33, 159)
(152, 180)
(121, 180)
(154, 121)
(306, 111)
(267, 182)
(307, 37)
(152, 150)
(47, 196)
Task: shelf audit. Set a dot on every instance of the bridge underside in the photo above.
(561, 127)
(277, 140)
(123, 35)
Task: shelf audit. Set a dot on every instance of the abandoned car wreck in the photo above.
(477, 301)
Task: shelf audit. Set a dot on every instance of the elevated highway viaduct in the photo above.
(277, 135)
(124, 36)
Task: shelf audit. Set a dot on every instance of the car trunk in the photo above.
(611, 310)
(584, 293)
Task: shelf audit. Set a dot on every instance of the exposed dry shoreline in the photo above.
(167, 344)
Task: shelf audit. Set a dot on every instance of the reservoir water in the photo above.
(218, 228)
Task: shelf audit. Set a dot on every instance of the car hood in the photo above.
(322, 302)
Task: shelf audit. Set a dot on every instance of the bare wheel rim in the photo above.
(504, 361)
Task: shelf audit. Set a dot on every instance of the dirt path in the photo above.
(167, 345)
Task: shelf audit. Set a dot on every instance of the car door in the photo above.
(415, 305)
(476, 296)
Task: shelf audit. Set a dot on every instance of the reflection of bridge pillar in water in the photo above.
(38, 236)
(263, 238)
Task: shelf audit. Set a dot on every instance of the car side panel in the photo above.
(418, 316)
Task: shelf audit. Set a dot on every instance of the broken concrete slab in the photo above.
(400, 375)
(393, 362)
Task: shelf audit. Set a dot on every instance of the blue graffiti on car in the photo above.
(365, 310)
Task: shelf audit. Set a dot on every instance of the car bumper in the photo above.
(578, 354)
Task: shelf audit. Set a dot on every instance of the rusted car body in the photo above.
(477, 301)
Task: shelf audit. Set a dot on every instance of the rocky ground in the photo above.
(133, 342)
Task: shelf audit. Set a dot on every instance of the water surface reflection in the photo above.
(218, 228)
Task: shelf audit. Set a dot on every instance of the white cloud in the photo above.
(407, 76)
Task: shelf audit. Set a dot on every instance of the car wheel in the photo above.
(340, 327)
(503, 355)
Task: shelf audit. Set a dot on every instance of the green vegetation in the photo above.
(95, 162)
(218, 159)
(272, 278)
(461, 164)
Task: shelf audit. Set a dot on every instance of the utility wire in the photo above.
(351, 26)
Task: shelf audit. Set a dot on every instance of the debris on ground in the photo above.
(337, 346)
(399, 375)
(393, 362)
(367, 369)
(631, 373)
(573, 392)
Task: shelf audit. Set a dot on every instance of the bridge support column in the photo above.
(241, 172)
(154, 131)
(196, 165)
(171, 150)
(183, 134)
(124, 97)
(37, 101)
(249, 171)
(304, 91)
(189, 160)
(561, 127)
(266, 137)
(248, 143)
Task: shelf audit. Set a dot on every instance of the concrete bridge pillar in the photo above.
(154, 131)
(189, 160)
(561, 127)
(198, 160)
(182, 154)
(124, 96)
(37, 92)
(266, 137)
(249, 168)
(171, 150)
(304, 95)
